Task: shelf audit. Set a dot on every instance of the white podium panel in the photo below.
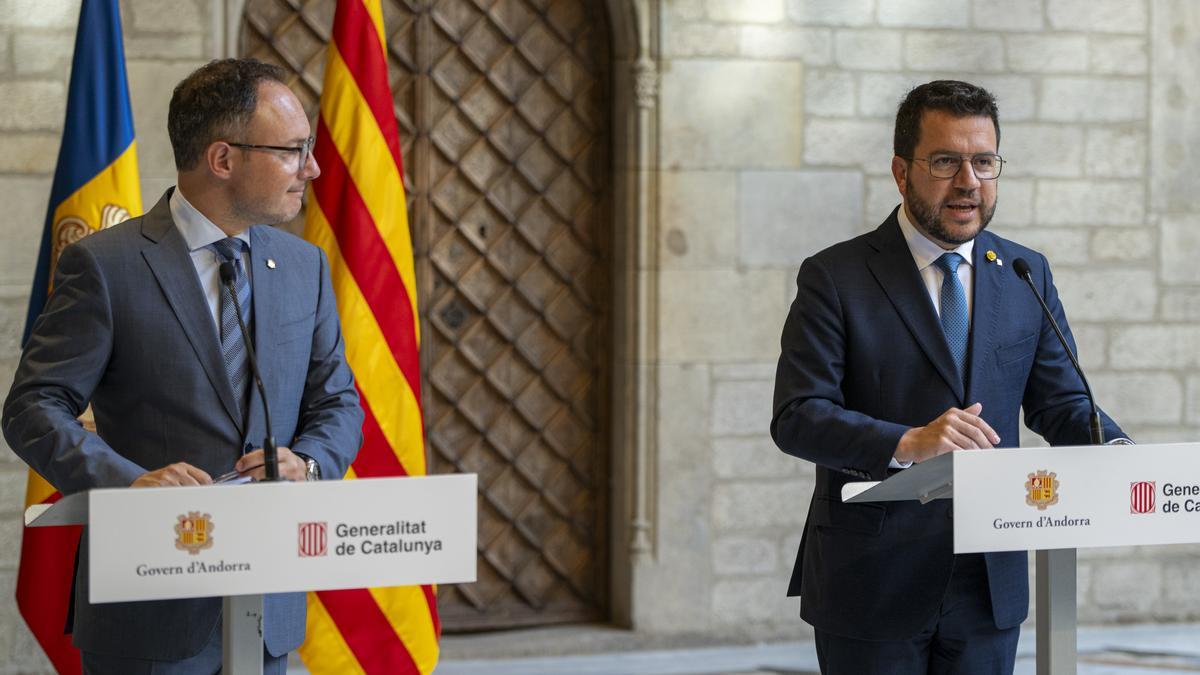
(1076, 497)
(158, 543)
(1055, 500)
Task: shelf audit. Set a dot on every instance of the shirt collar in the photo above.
(197, 230)
(924, 250)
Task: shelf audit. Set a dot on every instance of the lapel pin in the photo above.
(271, 262)
(993, 258)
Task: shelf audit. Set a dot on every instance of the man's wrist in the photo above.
(901, 455)
(312, 470)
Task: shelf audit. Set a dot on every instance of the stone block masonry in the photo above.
(1098, 121)
(774, 140)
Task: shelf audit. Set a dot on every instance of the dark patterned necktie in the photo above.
(233, 348)
(956, 322)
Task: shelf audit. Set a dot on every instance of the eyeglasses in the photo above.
(302, 151)
(945, 165)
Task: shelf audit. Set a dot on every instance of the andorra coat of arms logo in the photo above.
(193, 532)
(1041, 490)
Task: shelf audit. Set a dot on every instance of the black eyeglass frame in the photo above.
(929, 164)
(303, 150)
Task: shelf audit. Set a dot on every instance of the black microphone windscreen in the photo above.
(1021, 267)
(228, 274)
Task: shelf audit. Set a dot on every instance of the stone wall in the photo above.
(776, 141)
(775, 135)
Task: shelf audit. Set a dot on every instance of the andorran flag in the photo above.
(357, 214)
(95, 186)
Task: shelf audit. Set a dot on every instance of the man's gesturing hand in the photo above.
(179, 473)
(953, 430)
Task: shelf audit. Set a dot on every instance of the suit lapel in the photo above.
(985, 308)
(172, 266)
(894, 269)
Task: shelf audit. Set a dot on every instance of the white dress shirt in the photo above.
(198, 231)
(925, 252)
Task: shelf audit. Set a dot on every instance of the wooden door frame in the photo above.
(634, 44)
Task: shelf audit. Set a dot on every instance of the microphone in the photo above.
(1097, 430)
(270, 452)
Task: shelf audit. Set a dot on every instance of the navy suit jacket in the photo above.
(128, 329)
(864, 359)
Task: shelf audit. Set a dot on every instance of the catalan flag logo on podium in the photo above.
(96, 185)
(357, 213)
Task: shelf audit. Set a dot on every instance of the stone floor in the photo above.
(1108, 650)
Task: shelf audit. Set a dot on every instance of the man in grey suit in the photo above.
(140, 326)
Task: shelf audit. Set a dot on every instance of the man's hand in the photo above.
(291, 467)
(179, 473)
(953, 430)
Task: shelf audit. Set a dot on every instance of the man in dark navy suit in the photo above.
(911, 341)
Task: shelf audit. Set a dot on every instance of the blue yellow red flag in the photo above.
(96, 185)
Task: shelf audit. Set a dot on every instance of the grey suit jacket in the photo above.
(127, 328)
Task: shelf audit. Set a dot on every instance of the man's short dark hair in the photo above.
(215, 102)
(960, 99)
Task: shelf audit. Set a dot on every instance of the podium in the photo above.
(1054, 501)
(241, 541)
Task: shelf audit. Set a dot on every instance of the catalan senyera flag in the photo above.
(96, 185)
(357, 214)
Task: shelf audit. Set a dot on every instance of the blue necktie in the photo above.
(956, 322)
(233, 349)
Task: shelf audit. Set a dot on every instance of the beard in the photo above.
(928, 220)
(261, 212)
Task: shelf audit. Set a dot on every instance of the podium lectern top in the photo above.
(70, 510)
(923, 482)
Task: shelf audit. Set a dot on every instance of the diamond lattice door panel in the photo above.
(503, 113)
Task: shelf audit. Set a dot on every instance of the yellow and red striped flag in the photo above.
(357, 214)
(96, 185)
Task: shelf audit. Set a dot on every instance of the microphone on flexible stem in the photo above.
(270, 452)
(1097, 429)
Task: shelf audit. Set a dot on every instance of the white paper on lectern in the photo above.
(1099, 497)
(256, 540)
